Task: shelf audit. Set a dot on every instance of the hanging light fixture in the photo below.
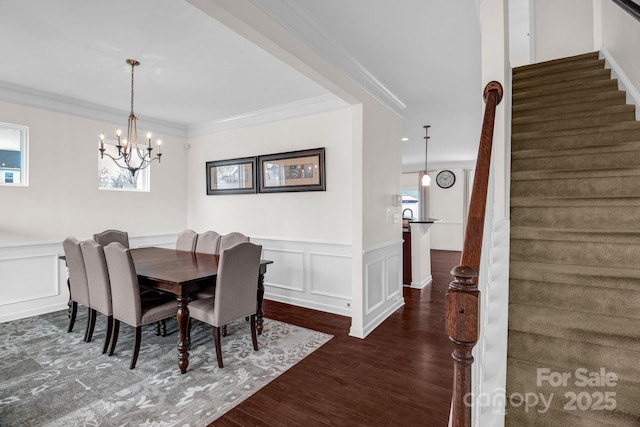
(426, 179)
(131, 156)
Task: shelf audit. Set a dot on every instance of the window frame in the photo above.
(24, 155)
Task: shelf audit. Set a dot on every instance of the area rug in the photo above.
(49, 377)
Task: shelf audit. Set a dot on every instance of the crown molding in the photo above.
(297, 21)
(40, 99)
(304, 107)
(61, 104)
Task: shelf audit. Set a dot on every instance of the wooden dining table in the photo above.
(182, 273)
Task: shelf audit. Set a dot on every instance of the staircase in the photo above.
(574, 298)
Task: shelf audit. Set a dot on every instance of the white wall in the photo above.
(63, 199)
(311, 215)
(447, 204)
(562, 28)
(307, 234)
(620, 37)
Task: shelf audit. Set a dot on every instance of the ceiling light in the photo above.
(129, 146)
(426, 179)
(405, 139)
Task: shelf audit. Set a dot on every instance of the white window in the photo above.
(113, 177)
(14, 141)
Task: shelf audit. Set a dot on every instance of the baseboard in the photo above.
(633, 95)
(426, 282)
(362, 333)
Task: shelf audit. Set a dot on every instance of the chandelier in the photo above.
(132, 156)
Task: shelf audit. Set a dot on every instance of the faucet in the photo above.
(410, 213)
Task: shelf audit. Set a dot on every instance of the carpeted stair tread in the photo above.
(595, 299)
(566, 77)
(605, 254)
(611, 331)
(594, 201)
(619, 224)
(582, 137)
(538, 350)
(591, 113)
(574, 267)
(607, 117)
(613, 235)
(548, 94)
(627, 278)
(523, 377)
(573, 174)
(565, 82)
(581, 102)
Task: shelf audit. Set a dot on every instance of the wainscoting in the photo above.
(309, 274)
(34, 281)
(382, 273)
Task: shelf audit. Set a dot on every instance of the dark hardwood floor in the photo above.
(400, 375)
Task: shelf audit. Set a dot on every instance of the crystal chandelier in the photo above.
(132, 156)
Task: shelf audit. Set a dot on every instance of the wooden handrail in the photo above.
(631, 7)
(461, 308)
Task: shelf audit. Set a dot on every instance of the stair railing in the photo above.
(631, 7)
(462, 300)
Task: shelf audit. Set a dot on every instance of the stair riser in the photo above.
(576, 113)
(585, 218)
(596, 161)
(584, 253)
(582, 58)
(556, 96)
(580, 187)
(589, 104)
(575, 123)
(587, 139)
(575, 77)
(595, 300)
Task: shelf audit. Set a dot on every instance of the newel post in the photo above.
(461, 324)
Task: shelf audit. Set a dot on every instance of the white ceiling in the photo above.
(420, 57)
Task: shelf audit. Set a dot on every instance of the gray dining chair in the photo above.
(78, 285)
(110, 236)
(186, 240)
(235, 293)
(128, 306)
(208, 242)
(229, 240)
(99, 287)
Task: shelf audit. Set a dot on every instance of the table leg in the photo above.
(182, 315)
(259, 312)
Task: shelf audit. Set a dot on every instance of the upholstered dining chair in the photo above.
(186, 240)
(99, 287)
(110, 236)
(208, 242)
(78, 286)
(235, 293)
(128, 306)
(231, 239)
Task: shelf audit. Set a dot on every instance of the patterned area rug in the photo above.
(49, 377)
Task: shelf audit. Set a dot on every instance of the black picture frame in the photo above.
(231, 176)
(302, 170)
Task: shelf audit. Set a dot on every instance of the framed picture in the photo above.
(233, 176)
(293, 171)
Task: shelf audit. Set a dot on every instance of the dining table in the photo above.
(182, 273)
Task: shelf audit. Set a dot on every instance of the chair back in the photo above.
(208, 242)
(125, 290)
(186, 240)
(237, 283)
(97, 276)
(78, 286)
(231, 239)
(110, 236)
